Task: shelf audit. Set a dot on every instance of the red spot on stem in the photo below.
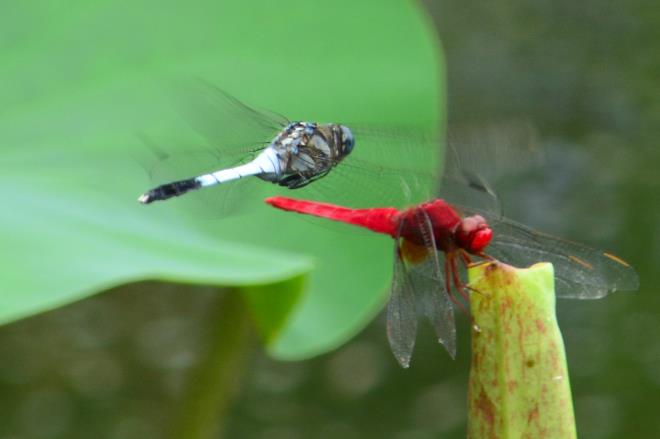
(541, 326)
(486, 408)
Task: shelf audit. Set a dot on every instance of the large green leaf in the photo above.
(80, 79)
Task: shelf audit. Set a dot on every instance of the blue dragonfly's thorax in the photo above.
(307, 151)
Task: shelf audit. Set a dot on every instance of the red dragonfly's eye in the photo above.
(480, 239)
(473, 234)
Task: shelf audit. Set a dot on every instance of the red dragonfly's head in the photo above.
(473, 234)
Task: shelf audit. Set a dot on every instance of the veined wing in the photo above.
(233, 134)
(226, 122)
(480, 161)
(388, 167)
(581, 272)
(360, 184)
(418, 288)
(209, 203)
(402, 166)
(427, 277)
(401, 312)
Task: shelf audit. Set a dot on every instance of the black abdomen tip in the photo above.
(169, 190)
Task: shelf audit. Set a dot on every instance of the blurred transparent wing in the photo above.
(427, 277)
(402, 166)
(387, 167)
(401, 313)
(207, 203)
(164, 163)
(233, 133)
(580, 272)
(469, 189)
(226, 123)
(359, 184)
(480, 162)
(494, 150)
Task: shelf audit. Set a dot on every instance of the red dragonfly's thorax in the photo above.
(450, 231)
(443, 221)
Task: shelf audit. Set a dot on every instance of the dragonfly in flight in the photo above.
(423, 234)
(299, 154)
(241, 143)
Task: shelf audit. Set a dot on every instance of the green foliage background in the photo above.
(80, 80)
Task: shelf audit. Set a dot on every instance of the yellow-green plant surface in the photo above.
(519, 386)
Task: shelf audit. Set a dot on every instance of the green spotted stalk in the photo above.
(519, 386)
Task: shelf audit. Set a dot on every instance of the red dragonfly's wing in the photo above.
(418, 286)
(580, 272)
(401, 314)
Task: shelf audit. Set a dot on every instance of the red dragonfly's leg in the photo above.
(457, 281)
(448, 287)
(460, 286)
(466, 258)
(485, 256)
(468, 287)
(467, 261)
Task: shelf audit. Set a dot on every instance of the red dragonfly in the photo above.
(424, 233)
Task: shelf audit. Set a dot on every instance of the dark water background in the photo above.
(585, 76)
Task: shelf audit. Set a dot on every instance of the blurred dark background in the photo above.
(585, 76)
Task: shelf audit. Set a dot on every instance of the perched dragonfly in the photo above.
(243, 142)
(421, 284)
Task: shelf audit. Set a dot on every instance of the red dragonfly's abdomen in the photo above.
(380, 220)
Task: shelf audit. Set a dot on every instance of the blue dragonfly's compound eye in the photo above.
(347, 139)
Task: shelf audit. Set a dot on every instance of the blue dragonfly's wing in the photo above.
(208, 203)
(387, 167)
(229, 133)
(482, 162)
(227, 124)
(403, 166)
